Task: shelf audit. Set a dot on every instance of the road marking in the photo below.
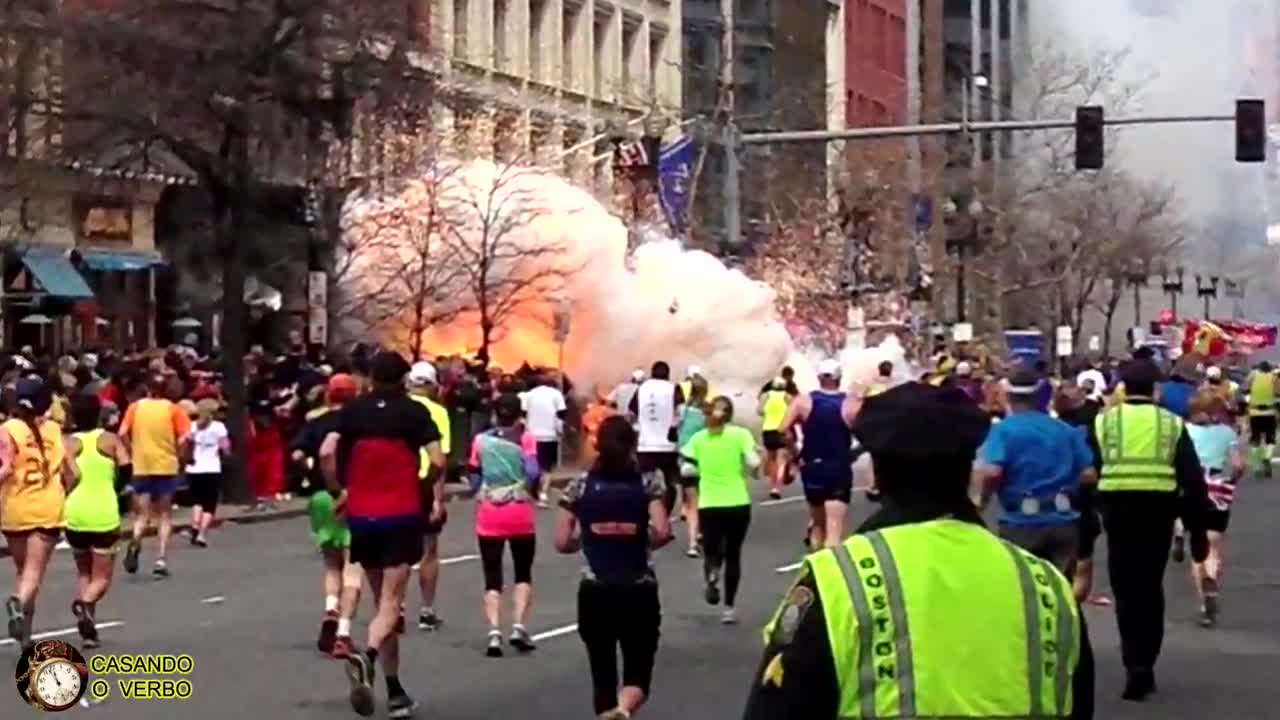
(782, 501)
(789, 568)
(450, 561)
(547, 635)
(215, 600)
(65, 631)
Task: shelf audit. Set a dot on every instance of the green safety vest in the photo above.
(1262, 394)
(901, 606)
(1138, 444)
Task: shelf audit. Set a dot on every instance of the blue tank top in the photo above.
(827, 437)
(614, 515)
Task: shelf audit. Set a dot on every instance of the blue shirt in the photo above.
(1040, 457)
(1213, 444)
(1175, 396)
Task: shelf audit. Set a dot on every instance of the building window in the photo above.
(631, 87)
(569, 43)
(461, 10)
(879, 33)
(657, 47)
(537, 36)
(600, 56)
(501, 57)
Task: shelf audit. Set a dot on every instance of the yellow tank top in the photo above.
(774, 404)
(1262, 394)
(32, 496)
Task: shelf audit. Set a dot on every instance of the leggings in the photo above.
(724, 529)
(618, 617)
(522, 547)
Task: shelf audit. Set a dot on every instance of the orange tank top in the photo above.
(33, 496)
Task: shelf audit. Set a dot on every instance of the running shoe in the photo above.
(544, 500)
(200, 541)
(361, 674)
(728, 617)
(160, 570)
(131, 557)
(429, 621)
(521, 641)
(17, 622)
(400, 623)
(328, 633)
(401, 706)
(342, 648)
(616, 714)
(692, 553)
(1179, 548)
(775, 494)
(712, 593)
(494, 648)
(84, 623)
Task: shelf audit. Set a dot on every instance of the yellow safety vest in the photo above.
(1262, 394)
(440, 416)
(901, 605)
(1138, 444)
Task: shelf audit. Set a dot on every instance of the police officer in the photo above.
(1147, 457)
(615, 514)
(924, 612)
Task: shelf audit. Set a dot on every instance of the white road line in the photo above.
(215, 600)
(547, 635)
(782, 501)
(450, 561)
(65, 631)
(789, 568)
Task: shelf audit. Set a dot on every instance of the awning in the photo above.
(120, 260)
(55, 274)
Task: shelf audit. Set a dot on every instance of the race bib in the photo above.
(1030, 506)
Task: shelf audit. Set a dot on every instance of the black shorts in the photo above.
(433, 528)
(774, 440)
(1262, 429)
(817, 495)
(548, 455)
(204, 489)
(101, 542)
(387, 548)
(667, 463)
(1217, 520)
(1090, 529)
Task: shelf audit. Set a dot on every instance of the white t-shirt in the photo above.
(542, 408)
(656, 409)
(205, 456)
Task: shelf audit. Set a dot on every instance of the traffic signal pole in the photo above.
(734, 140)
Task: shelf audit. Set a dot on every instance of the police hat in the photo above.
(919, 421)
(1139, 374)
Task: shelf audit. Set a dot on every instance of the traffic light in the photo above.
(1090, 137)
(1251, 131)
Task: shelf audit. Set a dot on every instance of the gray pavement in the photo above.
(247, 609)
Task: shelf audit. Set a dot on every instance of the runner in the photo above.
(655, 405)
(156, 433)
(725, 458)
(423, 388)
(614, 515)
(210, 443)
(92, 509)
(620, 397)
(375, 449)
(1262, 418)
(826, 456)
(884, 379)
(342, 578)
(545, 410)
(773, 410)
(1217, 445)
(34, 473)
(693, 417)
(504, 475)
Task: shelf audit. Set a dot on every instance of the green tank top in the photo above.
(92, 505)
(775, 410)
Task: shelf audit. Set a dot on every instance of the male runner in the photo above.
(424, 389)
(655, 405)
(379, 437)
(826, 453)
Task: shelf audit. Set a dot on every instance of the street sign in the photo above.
(317, 290)
(1066, 340)
(318, 326)
(1095, 343)
(962, 332)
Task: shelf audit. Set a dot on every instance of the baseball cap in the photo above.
(388, 368)
(341, 387)
(963, 368)
(1023, 381)
(637, 375)
(694, 370)
(422, 373)
(779, 383)
(830, 368)
(1214, 372)
(28, 391)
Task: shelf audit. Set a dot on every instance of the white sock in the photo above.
(344, 627)
(330, 603)
(428, 610)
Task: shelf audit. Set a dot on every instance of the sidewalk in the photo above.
(282, 510)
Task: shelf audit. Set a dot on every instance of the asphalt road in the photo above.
(247, 609)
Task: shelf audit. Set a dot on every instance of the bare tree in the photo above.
(508, 268)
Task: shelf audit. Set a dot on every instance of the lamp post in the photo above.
(1136, 276)
(1207, 290)
(1234, 289)
(962, 240)
(1173, 286)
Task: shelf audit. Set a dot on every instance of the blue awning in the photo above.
(120, 260)
(55, 274)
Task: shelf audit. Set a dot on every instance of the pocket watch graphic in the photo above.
(51, 676)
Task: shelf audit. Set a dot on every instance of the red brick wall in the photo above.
(875, 62)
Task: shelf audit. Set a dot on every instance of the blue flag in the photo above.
(675, 173)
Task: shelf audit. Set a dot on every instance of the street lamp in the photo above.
(1207, 290)
(1136, 276)
(1172, 286)
(962, 239)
